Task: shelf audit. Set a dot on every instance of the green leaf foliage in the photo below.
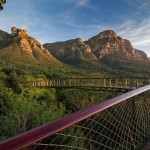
(2, 2)
(78, 99)
(30, 109)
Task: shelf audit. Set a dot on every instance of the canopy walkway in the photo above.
(121, 84)
(120, 123)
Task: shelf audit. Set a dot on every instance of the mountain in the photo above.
(72, 51)
(4, 35)
(96, 48)
(19, 49)
(106, 53)
(108, 42)
(4, 38)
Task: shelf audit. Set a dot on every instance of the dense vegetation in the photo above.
(27, 110)
(78, 99)
(114, 65)
(22, 109)
(122, 66)
(2, 2)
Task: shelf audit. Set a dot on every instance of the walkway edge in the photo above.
(28, 138)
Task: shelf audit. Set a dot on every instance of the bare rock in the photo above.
(21, 33)
(107, 42)
(107, 34)
(28, 44)
(71, 49)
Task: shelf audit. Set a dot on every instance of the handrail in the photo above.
(23, 140)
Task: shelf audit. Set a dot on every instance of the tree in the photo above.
(30, 109)
(2, 2)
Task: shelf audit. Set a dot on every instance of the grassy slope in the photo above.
(126, 67)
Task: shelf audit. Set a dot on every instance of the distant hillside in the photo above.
(4, 38)
(20, 49)
(108, 42)
(96, 48)
(72, 52)
(105, 52)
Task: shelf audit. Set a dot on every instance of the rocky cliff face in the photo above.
(19, 33)
(4, 38)
(71, 50)
(21, 48)
(108, 42)
(105, 53)
(140, 55)
(27, 43)
(96, 48)
(4, 35)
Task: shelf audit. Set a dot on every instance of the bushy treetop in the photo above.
(2, 2)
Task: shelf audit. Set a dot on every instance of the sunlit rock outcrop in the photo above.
(71, 50)
(20, 48)
(108, 42)
(21, 33)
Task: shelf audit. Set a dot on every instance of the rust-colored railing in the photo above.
(113, 83)
(120, 123)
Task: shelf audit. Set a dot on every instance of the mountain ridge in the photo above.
(108, 41)
(20, 48)
(105, 53)
(101, 45)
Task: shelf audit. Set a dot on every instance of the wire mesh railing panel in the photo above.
(125, 126)
(120, 123)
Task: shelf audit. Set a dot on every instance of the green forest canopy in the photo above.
(2, 2)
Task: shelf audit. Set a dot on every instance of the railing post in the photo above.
(104, 83)
(46, 83)
(126, 82)
(32, 84)
(117, 82)
(110, 82)
(50, 83)
(54, 83)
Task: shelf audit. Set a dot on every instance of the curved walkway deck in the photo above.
(92, 83)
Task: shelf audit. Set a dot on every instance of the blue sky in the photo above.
(59, 20)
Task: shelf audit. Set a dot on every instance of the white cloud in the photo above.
(78, 3)
(139, 4)
(137, 33)
(81, 2)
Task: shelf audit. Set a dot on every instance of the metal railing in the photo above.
(122, 82)
(120, 123)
